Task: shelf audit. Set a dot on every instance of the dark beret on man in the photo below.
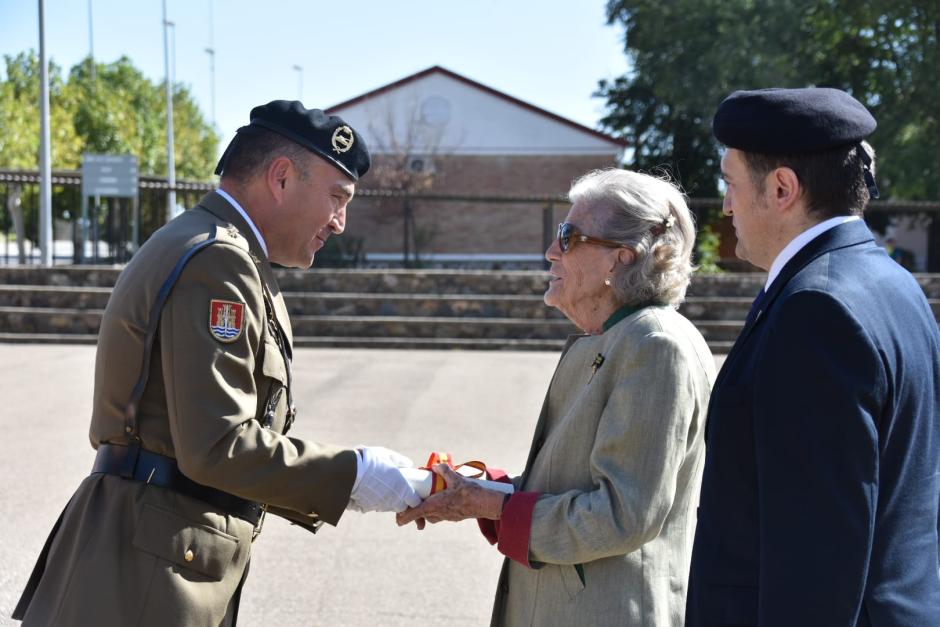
(791, 121)
(327, 136)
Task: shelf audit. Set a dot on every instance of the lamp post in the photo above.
(170, 159)
(211, 52)
(300, 82)
(45, 167)
(91, 45)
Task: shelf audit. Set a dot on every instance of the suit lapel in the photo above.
(842, 236)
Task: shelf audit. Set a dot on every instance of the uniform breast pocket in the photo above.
(273, 367)
(199, 548)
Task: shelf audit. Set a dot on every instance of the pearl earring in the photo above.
(607, 281)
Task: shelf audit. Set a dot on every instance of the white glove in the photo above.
(380, 486)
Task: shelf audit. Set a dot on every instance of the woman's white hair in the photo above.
(649, 215)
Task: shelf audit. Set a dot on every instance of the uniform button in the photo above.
(188, 555)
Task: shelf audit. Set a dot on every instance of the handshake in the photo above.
(387, 481)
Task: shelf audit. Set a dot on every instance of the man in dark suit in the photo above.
(820, 492)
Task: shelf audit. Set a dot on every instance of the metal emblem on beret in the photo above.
(226, 320)
(342, 139)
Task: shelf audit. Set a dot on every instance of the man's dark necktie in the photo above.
(756, 307)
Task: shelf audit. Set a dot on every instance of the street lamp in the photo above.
(45, 166)
(300, 82)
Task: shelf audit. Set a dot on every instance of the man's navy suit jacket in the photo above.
(820, 491)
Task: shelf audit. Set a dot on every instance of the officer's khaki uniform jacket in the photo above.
(617, 455)
(119, 556)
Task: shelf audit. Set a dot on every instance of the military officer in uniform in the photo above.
(193, 396)
(822, 466)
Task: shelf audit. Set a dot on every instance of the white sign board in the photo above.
(111, 176)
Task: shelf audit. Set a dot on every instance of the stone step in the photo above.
(717, 347)
(366, 304)
(50, 296)
(48, 338)
(521, 282)
(435, 305)
(38, 320)
(63, 276)
(530, 283)
(479, 306)
(467, 328)
(50, 320)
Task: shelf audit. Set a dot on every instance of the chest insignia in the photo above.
(226, 320)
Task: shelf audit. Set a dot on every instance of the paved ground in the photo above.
(366, 571)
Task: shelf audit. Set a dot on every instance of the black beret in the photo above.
(328, 136)
(791, 121)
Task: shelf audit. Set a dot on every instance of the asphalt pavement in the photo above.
(365, 571)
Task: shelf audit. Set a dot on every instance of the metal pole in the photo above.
(211, 52)
(300, 82)
(135, 233)
(170, 159)
(82, 229)
(94, 231)
(91, 46)
(45, 167)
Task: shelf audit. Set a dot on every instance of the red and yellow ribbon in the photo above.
(438, 483)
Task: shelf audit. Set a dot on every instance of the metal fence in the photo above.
(111, 229)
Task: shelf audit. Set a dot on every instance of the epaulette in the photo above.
(229, 234)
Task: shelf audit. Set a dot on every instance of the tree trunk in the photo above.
(15, 207)
(406, 234)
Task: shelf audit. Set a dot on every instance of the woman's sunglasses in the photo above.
(568, 234)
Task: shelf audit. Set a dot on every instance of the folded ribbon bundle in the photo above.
(425, 482)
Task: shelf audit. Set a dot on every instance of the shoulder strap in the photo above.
(130, 410)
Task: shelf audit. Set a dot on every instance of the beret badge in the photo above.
(342, 140)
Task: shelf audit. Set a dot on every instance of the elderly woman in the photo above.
(599, 529)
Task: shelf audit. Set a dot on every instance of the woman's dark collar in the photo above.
(625, 311)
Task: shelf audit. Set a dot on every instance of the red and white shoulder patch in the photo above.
(226, 320)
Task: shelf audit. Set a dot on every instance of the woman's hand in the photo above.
(461, 499)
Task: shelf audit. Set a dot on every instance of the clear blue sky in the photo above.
(550, 53)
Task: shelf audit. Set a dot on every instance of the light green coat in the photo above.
(617, 455)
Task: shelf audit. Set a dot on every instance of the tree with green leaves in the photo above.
(19, 135)
(120, 111)
(687, 55)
